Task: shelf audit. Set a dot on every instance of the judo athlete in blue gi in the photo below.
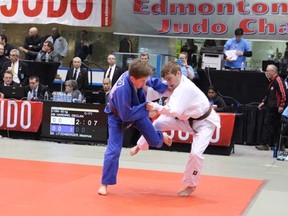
(127, 107)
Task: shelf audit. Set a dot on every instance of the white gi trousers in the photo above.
(202, 133)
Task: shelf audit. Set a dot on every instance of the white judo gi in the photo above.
(186, 101)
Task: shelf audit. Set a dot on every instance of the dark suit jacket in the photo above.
(12, 84)
(82, 79)
(117, 73)
(40, 93)
(22, 71)
(3, 59)
(36, 44)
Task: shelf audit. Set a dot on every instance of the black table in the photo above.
(46, 71)
(240, 87)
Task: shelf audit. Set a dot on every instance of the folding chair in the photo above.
(282, 155)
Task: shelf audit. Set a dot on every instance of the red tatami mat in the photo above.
(33, 188)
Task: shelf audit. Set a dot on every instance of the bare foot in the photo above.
(167, 139)
(186, 191)
(102, 190)
(134, 150)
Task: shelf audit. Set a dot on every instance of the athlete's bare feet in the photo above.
(186, 191)
(167, 139)
(102, 190)
(134, 150)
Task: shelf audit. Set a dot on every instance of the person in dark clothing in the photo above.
(275, 102)
(113, 71)
(125, 47)
(7, 47)
(3, 58)
(46, 54)
(36, 89)
(215, 100)
(79, 74)
(83, 47)
(8, 80)
(190, 48)
(32, 42)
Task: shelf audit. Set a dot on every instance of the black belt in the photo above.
(201, 117)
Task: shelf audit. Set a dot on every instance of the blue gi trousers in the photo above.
(112, 153)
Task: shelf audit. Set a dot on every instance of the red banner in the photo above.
(16, 115)
(92, 13)
(222, 136)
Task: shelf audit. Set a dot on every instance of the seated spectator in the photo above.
(186, 69)
(215, 100)
(35, 89)
(7, 47)
(79, 74)
(18, 68)
(47, 54)
(106, 88)
(3, 58)
(71, 88)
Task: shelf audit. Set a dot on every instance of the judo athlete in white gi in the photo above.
(186, 106)
(127, 107)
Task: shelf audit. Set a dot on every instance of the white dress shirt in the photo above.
(112, 72)
(15, 71)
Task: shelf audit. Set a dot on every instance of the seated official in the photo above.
(47, 54)
(79, 74)
(35, 89)
(215, 100)
(7, 81)
(71, 88)
(17, 67)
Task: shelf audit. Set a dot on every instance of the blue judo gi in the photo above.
(127, 107)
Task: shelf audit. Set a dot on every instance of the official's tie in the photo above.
(109, 72)
(33, 93)
(75, 74)
(12, 69)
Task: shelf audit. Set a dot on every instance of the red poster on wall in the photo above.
(222, 136)
(17, 115)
